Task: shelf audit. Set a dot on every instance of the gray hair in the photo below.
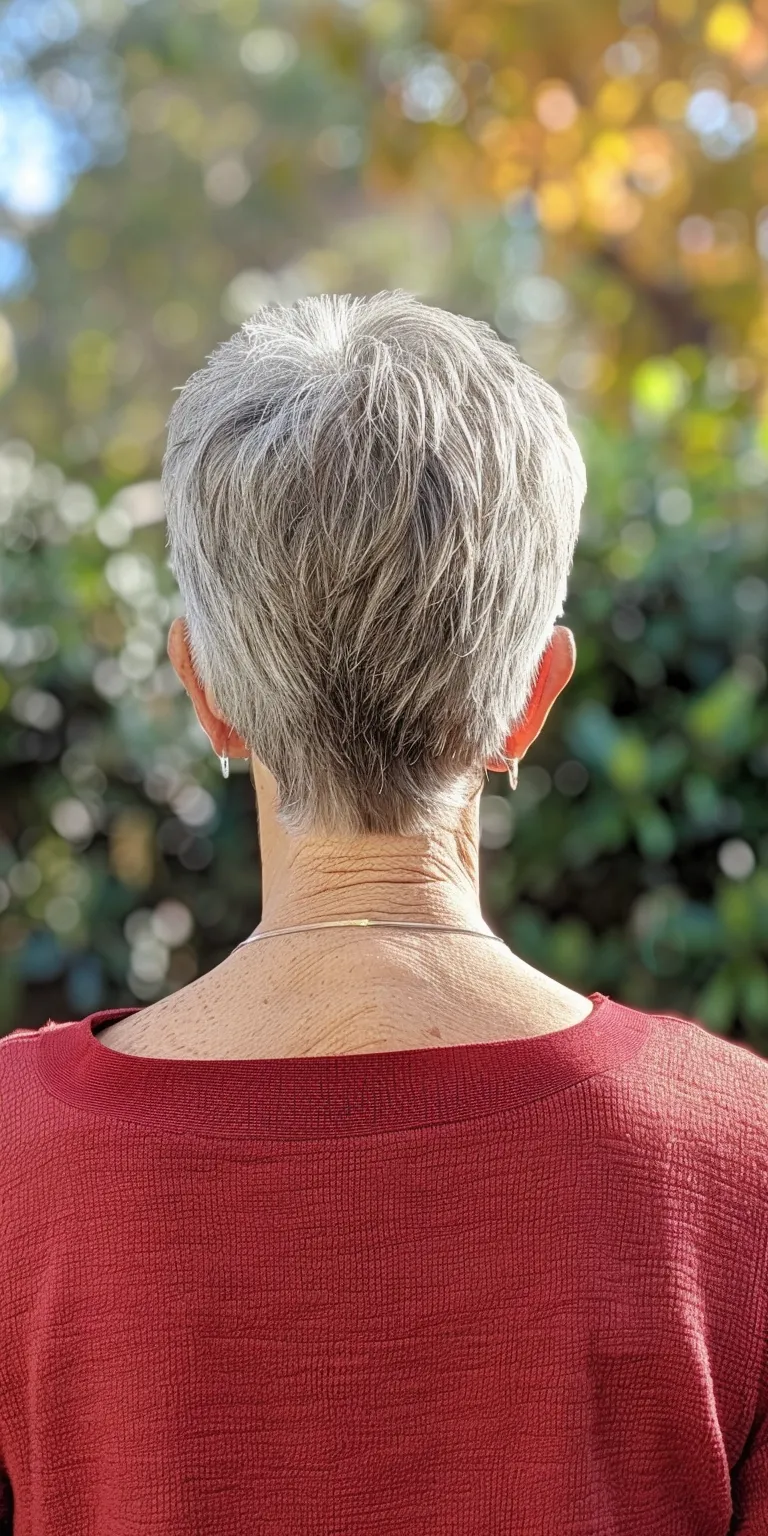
(372, 506)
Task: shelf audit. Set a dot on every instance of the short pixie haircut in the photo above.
(372, 506)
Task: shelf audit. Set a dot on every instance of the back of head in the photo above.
(372, 506)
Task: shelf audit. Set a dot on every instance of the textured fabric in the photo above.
(509, 1289)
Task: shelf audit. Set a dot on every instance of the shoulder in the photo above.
(20, 1091)
(18, 1053)
(694, 1057)
(702, 1102)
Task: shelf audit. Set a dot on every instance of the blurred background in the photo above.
(591, 179)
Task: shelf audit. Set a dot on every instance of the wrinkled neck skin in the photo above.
(360, 987)
(431, 879)
(349, 990)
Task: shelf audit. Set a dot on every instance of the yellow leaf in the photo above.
(617, 101)
(659, 386)
(615, 148)
(728, 27)
(557, 204)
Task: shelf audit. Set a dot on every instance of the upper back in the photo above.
(555, 1301)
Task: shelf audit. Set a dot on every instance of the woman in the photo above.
(374, 1228)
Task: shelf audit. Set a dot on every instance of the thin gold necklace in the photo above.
(367, 922)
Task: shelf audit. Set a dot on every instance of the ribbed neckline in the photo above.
(297, 1097)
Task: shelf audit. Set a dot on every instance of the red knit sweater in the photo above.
(515, 1289)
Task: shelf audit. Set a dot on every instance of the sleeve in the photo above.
(749, 1477)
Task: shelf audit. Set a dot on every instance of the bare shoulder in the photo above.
(165, 1028)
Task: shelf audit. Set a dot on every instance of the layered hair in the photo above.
(372, 506)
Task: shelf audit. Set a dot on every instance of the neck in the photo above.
(375, 903)
(340, 991)
(431, 879)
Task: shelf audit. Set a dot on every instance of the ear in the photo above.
(219, 733)
(555, 671)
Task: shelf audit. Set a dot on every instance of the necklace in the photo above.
(367, 922)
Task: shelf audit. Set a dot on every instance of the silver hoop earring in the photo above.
(224, 760)
(513, 773)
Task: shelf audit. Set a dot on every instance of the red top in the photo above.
(511, 1288)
